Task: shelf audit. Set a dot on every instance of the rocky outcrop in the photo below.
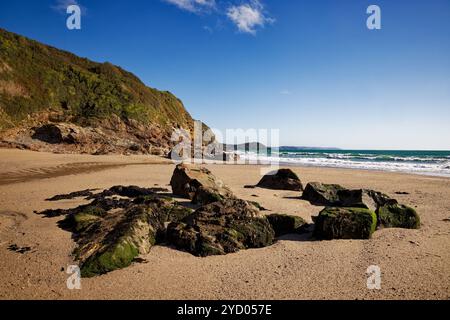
(198, 184)
(95, 108)
(112, 240)
(285, 224)
(345, 223)
(389, 212)
(110, 232)
(282, 179)
(222, 227)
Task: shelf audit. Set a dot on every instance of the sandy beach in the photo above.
(415, 264)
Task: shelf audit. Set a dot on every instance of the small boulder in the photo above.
(222, 227)
(322, 194)
(198, 184)
(345, 223)
(285, 224)
(283, 179)
(334, 195)
(398, 216)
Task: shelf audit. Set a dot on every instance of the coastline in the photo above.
(414, 263)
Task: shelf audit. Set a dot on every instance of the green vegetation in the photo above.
(35, 77)
(119, 256)
(398, 216)
(345, 223)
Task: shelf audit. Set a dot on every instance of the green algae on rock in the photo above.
(221, 227)
(345, 223)
(398, 216)
(284, 224)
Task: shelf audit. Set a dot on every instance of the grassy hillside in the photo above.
(35, 77)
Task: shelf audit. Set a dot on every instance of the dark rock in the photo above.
(283, 179)
(198, 184)
(285, 224)
(109, 240)
(398, 216)
(59, 133)
(257, 205)
(345, 223)
(334, 195)
(77, 194)
(322, 194)
(220, 228)
(22, 250)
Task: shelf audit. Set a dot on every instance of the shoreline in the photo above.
(414, 263)
(85, 163)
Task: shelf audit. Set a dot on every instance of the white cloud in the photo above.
(285, 92)
(194, 5)
(249, 16)
(61, 5)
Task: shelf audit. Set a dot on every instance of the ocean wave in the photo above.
(357, 157)
(439, 166)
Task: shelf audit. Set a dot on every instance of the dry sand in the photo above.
(415, 264)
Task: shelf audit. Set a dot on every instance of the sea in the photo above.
(435, 163)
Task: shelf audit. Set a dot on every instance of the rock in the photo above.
(76, 194)
(198, 184)
(285, 224)
(111, 232)
(205, 195)
(283, 179)
(322, 194)
(110, 240)
(59, 133)
(334, 195)
(363, 198)
(345, 223)
(220, 228)
(398, 216)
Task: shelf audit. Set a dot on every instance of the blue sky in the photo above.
(309, 68)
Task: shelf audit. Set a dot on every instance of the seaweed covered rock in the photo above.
(398, 216)
(284, 224)
(221, 227)
(111, 235)
(345, 223)
(282, 179)
(198, 184)
(334, 195)
(322, 194)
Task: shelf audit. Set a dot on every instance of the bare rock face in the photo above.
(222, 227)
(198, 184)
(106, 136)
(283, 179)
(59, 133)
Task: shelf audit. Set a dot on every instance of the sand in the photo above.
(415, 264)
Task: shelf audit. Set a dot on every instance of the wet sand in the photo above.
(415, 264)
